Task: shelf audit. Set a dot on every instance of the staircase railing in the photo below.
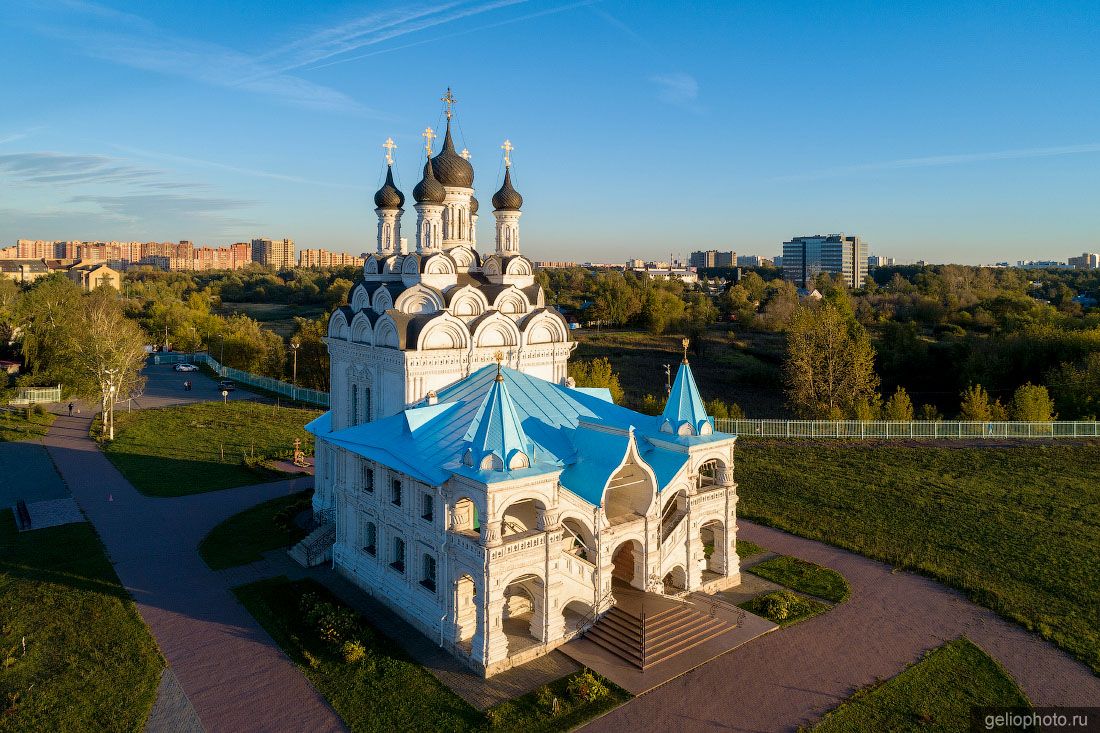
(589, 619)
(320, 544)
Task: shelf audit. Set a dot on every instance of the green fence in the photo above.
(916, 429)
(36, 395)
(301, 394)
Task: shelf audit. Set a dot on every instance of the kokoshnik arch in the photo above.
(475, 489)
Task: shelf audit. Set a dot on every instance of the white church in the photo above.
(473, 488)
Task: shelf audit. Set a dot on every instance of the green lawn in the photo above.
(804, 577)
(932, 696)
(1018, 528)
(748, 549)
(189, 449)
(19, 424)
(90, 663)
(378, 688)
(784, 607)
(243, 538)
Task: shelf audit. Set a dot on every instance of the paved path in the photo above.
(235, 676)
(793, 676)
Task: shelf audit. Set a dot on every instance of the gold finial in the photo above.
(499, 356)
(465, 154)
(428, 135)
(507, 147)
(449, 100)
(685, 343)
(390, 146)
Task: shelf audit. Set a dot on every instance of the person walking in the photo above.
(70, 409)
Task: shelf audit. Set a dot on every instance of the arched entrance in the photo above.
(713, 536)
(522, 614)
(628, 564)
(629, 494)
(675, 580)
(574, 614)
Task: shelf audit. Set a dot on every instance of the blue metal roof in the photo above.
(684, 403)
(496, 431)
(580, 435)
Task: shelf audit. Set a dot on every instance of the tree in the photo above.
(313, 363)
(830, 363)
(110, 349)
(974, 405)
(596, 373)
(899, 406)
(780, 307)
(929, 412)
(46, 315)
(1076, 388)
(1032, 403)
(661, 309)
(615, 300)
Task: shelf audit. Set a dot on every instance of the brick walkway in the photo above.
(234, 675)
(793, 676)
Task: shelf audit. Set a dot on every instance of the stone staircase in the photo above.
(316, 548)
(646, 629)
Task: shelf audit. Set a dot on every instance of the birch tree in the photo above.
(109, 349)
(830, 363)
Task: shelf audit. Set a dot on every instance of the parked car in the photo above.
(186, 368)
(226, 386)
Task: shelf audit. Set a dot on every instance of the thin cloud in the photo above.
(467, 31)
(945, 160)
(678, 89)
(621, 27)
(12, 137)
(130, 40)
(232, 168)
(63, 169)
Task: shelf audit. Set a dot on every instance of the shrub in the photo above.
(545, 700)
(39, 410)
(354, 652)
(586, 687)
(777, 606)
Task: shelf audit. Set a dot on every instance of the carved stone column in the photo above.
(548, 519)
(491, 533)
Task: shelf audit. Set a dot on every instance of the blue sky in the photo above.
(945, 131)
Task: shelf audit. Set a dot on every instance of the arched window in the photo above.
(427, 572)
(366, 404)
(353, 412)
(370, 539)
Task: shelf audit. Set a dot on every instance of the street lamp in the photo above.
(294, 345)
(225, 396)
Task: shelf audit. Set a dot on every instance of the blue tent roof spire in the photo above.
(684, 412)
(496, 440)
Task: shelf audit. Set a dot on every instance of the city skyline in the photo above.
(161, 131)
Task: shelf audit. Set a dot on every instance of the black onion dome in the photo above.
(429, 190)
(388, 197)
(451, 168)
(507, 198)
(473, 205)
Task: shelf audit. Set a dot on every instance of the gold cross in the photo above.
(449, 100)
(499, 356)
(465, 154)
(685, 343)
(390, 146)
(428, 136)
(507, 147)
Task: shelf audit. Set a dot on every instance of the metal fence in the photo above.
(916, 429)
(35, 395)
(301, 394)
